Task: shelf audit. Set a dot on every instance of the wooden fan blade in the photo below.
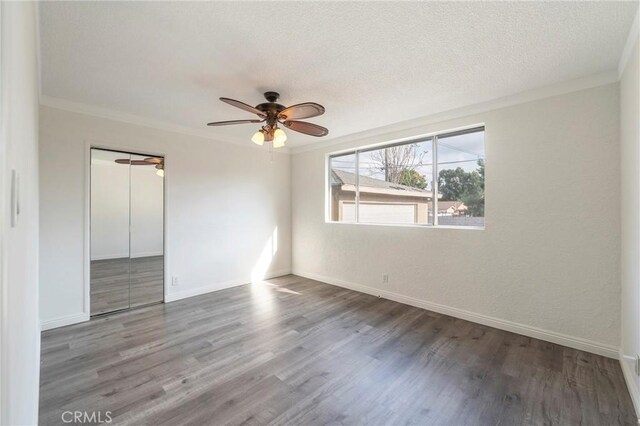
(154, 160)
(123, 161)
(243, 106)
(305, 110)
(306, 128)
(226, 123)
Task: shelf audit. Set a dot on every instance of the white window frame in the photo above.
(416, 139)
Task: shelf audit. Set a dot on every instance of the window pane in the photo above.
(395, 184)
(342, 179)
(461, 179)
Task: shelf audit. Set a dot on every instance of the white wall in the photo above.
(147, 212)
(114, 213)
(225, 204)
(630, 211)
(20, 335)
(109, 210)
(548, 262)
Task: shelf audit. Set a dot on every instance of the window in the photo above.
(461, 179)
(342, 183)
(395, 184)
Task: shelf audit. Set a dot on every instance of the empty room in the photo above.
(310, 213)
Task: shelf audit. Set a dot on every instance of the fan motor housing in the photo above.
(271, 109)
(270, 106)
(272, 96)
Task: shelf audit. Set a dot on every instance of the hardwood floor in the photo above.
(125, 283)
(297, 351)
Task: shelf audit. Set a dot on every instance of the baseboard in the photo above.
(82, 317)
(514, 327)
(110, 256)
(125, 255)
(147, 254)
(630, 378)
(179, 295)
(62, 321)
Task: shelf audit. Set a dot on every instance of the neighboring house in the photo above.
(451, 208)
(380, 201)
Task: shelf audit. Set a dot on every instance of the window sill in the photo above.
(400, 225)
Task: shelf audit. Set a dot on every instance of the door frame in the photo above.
(126, 149)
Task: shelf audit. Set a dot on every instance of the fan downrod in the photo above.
(271, 96)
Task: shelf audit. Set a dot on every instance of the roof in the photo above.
(445, 205)
(340, 177)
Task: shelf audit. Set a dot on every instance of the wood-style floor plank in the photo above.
(297, 351)
(124, 283)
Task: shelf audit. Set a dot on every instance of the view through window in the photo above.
(395, 184)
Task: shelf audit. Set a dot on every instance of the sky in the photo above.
(454, 151)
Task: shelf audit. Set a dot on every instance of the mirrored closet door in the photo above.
(127, 230)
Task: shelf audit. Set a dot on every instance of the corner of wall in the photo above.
(627, 364)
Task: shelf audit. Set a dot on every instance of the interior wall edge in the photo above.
(19, 258)
(630, 221)
(626, 363)
(632, 39)
(579, 343)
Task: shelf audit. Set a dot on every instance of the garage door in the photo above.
(380, 213)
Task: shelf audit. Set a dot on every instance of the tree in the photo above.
(412, 178)
(474, 202)
(395, 160)
(481, 172)
(452, 183)
(468, 187)
(473, 197)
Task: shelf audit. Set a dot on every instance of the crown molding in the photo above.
(416, 126)
(523, 97)
(632, 39)
(109, 114)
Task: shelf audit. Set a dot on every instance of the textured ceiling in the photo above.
(369, 63)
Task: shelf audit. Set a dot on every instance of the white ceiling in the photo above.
(369, 63)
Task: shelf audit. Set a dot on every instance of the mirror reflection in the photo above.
(147, 260)
(127, 231)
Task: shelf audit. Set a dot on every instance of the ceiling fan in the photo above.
(158, 162)
(272, 113)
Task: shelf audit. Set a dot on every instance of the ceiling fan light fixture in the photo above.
(279, 138)
(160, 172)
(258, 138)
(273, 114)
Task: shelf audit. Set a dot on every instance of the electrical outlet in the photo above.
(385, 278)
(174, 281)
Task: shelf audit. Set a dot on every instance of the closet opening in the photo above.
(126, 231)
